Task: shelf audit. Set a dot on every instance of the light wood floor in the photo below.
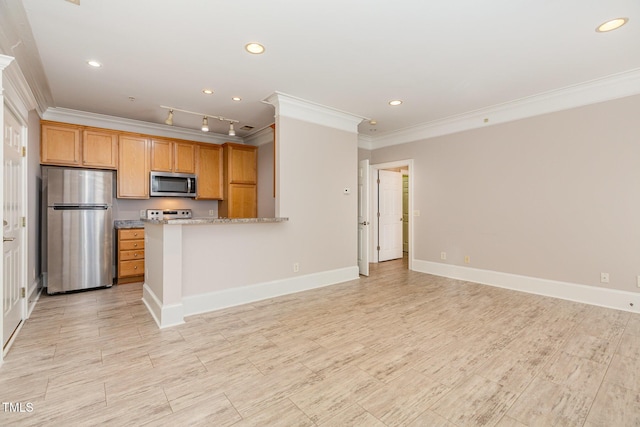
(398, 348)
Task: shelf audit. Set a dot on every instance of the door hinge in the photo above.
(23, 292)
(378, 181)
(378, 248)
(378, 214)
(24, 221)
(24, 151)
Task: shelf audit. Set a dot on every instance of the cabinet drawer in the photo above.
(131, 234)
(131, 268)
(130, 245)
(129, 255)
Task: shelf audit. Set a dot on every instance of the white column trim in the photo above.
(300, 109)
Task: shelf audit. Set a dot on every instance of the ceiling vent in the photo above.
(246, 127)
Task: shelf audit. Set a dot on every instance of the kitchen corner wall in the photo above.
(245, 262)
(552, 197)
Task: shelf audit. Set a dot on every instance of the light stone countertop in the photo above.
(127, 223)
(212, 220)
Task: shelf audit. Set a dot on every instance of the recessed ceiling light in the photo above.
(611, 25)
(94, 63)
(255, 48)
(395, 102)
(207, 91)
(236, 98)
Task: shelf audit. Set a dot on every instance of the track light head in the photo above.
(232, 131)
(169, 120)
(205, 124)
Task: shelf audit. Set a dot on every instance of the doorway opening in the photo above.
(391, 212)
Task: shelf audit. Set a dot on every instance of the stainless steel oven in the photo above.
(167, 184)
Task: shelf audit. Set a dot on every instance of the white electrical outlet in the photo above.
(467, 259)
(604, 277)
(296, 267)
(443, 255)
(212, 212)
(143, 213)
(416, 212)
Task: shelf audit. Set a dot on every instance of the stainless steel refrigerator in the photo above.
(79, 228)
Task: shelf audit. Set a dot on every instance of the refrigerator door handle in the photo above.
(79, 207)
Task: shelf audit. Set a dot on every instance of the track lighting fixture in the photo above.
(205, 119)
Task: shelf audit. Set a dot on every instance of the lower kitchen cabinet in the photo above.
(130, 255)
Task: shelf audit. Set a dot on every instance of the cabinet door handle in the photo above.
(135, 234)
(135, 267)
(135, 245)
(135, 255)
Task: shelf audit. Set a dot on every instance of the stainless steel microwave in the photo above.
(167, 184)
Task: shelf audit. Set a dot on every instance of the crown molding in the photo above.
(261, 137)
(365, 141)
(128, 125)
(599, 90)
(5, 60)
(18, 91)
(300, 109)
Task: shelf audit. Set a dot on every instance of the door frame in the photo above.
(8, 105)
(373, 203)
(364, 217)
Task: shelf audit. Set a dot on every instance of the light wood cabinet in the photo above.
(239, 182)
(173, 156)
(99, 149)
(209, 171)
(71, 145)
(133, 167)
(60, 144)
(130, 255)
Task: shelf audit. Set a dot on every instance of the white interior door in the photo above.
(13, 232)
(390, 215)
(363, 217)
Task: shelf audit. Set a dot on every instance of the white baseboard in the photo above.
(203, 303)
(610, 298)
(32, 299)
(165, 316)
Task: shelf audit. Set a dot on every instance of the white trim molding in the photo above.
(261, 137)
(300, 109)
(609, 298)
(591, 92)
(164, 315)
(231, 297)
(85, 118)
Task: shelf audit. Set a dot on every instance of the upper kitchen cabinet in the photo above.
(99, 149)
(71, 145)
(240, 181)
(173, 156)
(60, 144)
(133, 167)
(241, 163)
(209, 171)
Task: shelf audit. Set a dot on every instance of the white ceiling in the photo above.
(441, 58)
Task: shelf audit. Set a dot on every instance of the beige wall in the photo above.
(34, 186)
(554, 196)
(315, 163)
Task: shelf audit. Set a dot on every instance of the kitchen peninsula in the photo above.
(197, 265)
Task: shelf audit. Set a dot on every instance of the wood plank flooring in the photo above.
(399, 348)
